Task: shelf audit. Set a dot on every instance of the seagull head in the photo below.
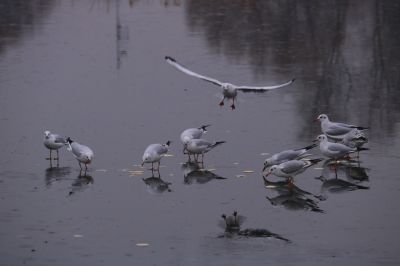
(266, 164)
(47, 133)
(272, 170)
(69, 140)
(322, 117)
(146, 158)
(321, 138)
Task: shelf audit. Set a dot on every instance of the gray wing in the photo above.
(337, 147)
(195, 133)
(77, 149)
(288, 155)
(157, 148)
(345, 125)
(264, 88)
(335, 130)
(178, 66)
(162, 150)
(292, 166)
(59, 139)
(202, 143)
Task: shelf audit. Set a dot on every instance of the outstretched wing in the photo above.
(178, 66)
(262, 89)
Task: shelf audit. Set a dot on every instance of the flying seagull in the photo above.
(229, 91)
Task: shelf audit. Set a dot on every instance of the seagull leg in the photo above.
(233, 104)
(49, 158)
(57, 158)
(222, 102)
(290, 183)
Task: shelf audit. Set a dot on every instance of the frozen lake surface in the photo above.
(95, 71)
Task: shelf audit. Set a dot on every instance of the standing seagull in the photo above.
(81, 152)
(292, 168)
(287, 155)
(192, 133)
(53, 142)
(201, 146)
(335, 130)
(334, 150)
(154, 152)
(229, 91)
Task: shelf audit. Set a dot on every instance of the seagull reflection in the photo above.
(81, 183)
(351, 170)
(232, 223)
(291, 196)
(194, 172)
(54, 174)
(331, 178)
(155, 185)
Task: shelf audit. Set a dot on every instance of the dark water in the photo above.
(94, 71)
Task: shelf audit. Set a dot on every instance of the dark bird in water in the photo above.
(233, 223)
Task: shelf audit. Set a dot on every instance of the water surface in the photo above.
(95, 71)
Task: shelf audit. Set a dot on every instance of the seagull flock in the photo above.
(337, 142)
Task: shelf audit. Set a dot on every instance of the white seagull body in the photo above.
(292, 168)
(53, 142)
(333, 150)
(287, 155)
(201, 146)
(81, 152)
(229, 90)
(154, 152)
(193, 133)
(335, 130)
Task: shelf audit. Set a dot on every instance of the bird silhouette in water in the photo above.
(232, 225)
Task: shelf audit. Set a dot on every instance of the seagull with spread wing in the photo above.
(229, 90)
